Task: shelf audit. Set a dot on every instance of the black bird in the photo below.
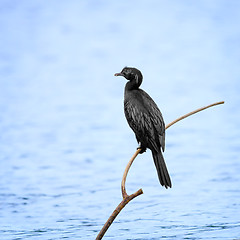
(145, 119)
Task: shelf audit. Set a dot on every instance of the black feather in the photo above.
(145, 119)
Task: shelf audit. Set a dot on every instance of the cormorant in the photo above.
(146, 121)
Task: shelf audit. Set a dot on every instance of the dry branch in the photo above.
(193, 112)
(127, 198)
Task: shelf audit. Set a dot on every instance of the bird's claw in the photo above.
(143, 149)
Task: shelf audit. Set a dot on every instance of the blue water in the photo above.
(64, 142)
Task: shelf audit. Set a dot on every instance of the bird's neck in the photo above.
(131, 85)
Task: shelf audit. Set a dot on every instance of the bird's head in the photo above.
(131, 74)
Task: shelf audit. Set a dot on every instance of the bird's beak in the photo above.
(118, 74)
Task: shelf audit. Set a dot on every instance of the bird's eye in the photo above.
(132, 75)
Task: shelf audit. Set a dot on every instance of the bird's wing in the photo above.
(140, 122)
(156, 118)
(159, 125)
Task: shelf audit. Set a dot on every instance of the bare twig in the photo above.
(127, 198)
(193, 112)
(124, 193)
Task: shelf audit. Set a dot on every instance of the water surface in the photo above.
(64, 142)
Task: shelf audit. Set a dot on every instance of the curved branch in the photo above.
(124, 193)
(193, 112)
(127, 198)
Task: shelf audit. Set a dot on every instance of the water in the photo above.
(64, 142)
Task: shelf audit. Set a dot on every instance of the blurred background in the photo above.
(64, 140)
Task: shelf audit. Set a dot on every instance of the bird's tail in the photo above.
(162, 171)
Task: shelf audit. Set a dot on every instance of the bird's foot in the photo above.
(143, 149)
